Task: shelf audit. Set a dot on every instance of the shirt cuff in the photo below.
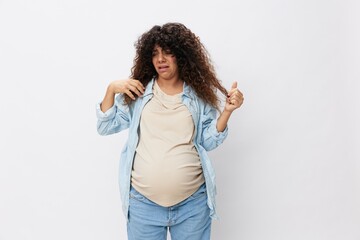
(220, 136)
(104, 116)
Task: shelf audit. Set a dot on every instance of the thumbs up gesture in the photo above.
(234, 99)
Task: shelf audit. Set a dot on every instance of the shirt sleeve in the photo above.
(211, 138)
(115, 119)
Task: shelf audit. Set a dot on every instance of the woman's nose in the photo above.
(160, 57)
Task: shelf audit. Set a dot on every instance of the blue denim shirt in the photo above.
(206, 138)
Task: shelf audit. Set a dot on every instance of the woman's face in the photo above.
(165, 64)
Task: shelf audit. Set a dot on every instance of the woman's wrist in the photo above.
(110, 89)
(226, 113)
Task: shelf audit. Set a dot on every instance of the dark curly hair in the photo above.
(194, 64)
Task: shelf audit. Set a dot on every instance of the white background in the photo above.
(289, 168)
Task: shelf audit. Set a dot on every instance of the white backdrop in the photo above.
(289, 168)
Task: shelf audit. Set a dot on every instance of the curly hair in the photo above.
(194, 64)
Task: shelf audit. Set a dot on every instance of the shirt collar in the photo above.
(149, 88)
(187, 90)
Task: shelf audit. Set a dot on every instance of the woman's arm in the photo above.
(114, 117)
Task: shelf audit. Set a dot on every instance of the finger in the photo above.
(135, 90)
(235, 92)
(138, 85)
(240, 99)
(236, 99)
(129, 93)
(236, 102)
(234, 85)
(134, 86)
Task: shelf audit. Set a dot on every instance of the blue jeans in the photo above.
(189, 219)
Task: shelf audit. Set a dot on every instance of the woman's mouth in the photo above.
(163, 68)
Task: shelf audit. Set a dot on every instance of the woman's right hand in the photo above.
(128, 87)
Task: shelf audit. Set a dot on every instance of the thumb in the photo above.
(234, 85)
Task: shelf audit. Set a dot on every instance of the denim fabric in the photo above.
(120, 117)
(188, 219)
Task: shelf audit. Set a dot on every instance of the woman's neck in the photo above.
(171, 86)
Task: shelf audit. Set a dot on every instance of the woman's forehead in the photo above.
(160, 47)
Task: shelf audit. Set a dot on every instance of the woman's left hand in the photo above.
(235, 98)
(233, 101)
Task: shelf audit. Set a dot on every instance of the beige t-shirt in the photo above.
(167, 167)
